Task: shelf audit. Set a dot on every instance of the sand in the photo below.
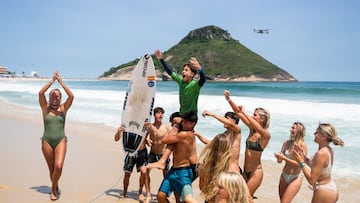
(93, 166)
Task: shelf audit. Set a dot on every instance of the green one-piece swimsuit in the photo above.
(54, 129)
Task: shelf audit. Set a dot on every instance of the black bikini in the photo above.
(254, 145)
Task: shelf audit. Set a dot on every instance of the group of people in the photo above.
(221, 179)
(317, 169)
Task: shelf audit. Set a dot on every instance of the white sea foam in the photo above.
(104, 105)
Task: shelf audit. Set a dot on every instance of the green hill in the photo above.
(221, 56)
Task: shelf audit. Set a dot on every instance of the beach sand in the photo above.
(93, 166)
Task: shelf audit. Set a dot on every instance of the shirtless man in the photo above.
(233, 130)
(156, 131)
(180, 175)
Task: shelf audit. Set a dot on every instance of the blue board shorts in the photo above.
(178, 179)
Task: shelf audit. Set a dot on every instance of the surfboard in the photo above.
(138, 104)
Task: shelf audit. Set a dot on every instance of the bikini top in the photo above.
(287, 149)
(254, 145)
(325, 171)
(287, 154)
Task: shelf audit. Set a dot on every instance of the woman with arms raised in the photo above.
(53, 143)
(259, 137)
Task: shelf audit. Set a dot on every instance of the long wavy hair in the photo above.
(299, 134)
(236, 187)
(214, 159)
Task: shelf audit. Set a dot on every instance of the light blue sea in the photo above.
(337, 103)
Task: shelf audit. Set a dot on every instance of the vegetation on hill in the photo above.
(221, 56)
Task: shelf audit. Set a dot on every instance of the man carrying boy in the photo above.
(179, 176)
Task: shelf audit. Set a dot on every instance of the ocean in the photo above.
(338, 103)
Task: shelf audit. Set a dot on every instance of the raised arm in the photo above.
(247, 119)
(195, 64)
(233, 126)
(42, 99)
(159, 56)
(70, 95)
(237, 109)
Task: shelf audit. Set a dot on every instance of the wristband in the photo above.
(302, 164)
(51, 82)
(228, 99)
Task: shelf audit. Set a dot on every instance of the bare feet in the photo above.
(148, 198)
(159, 164)
(141, 197)
(53, 196)
(54, 192)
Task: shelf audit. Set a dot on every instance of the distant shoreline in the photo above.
(157, 79)
(44, 78)
(24, 78)
(252, 78)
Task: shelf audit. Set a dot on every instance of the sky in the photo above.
(312, 40)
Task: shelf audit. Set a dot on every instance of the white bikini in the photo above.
(326, 172)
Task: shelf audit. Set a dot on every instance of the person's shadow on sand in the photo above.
(119, 193)
(131, 195)
(45, 190)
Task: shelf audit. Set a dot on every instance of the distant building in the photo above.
(4, 73)
(3, 70)
(34, 74)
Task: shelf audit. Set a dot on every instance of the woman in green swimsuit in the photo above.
(258, 139)
(53, 144)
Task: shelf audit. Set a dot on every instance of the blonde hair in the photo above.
(236, 187)
(329, 131)
(264, 114)
(215, 159)
(299, 132)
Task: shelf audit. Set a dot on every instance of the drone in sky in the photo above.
(261, 31)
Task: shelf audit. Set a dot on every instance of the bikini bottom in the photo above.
(248, 174)
(289, 177)
(330, 186)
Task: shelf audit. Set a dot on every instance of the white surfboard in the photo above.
(138, 104)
